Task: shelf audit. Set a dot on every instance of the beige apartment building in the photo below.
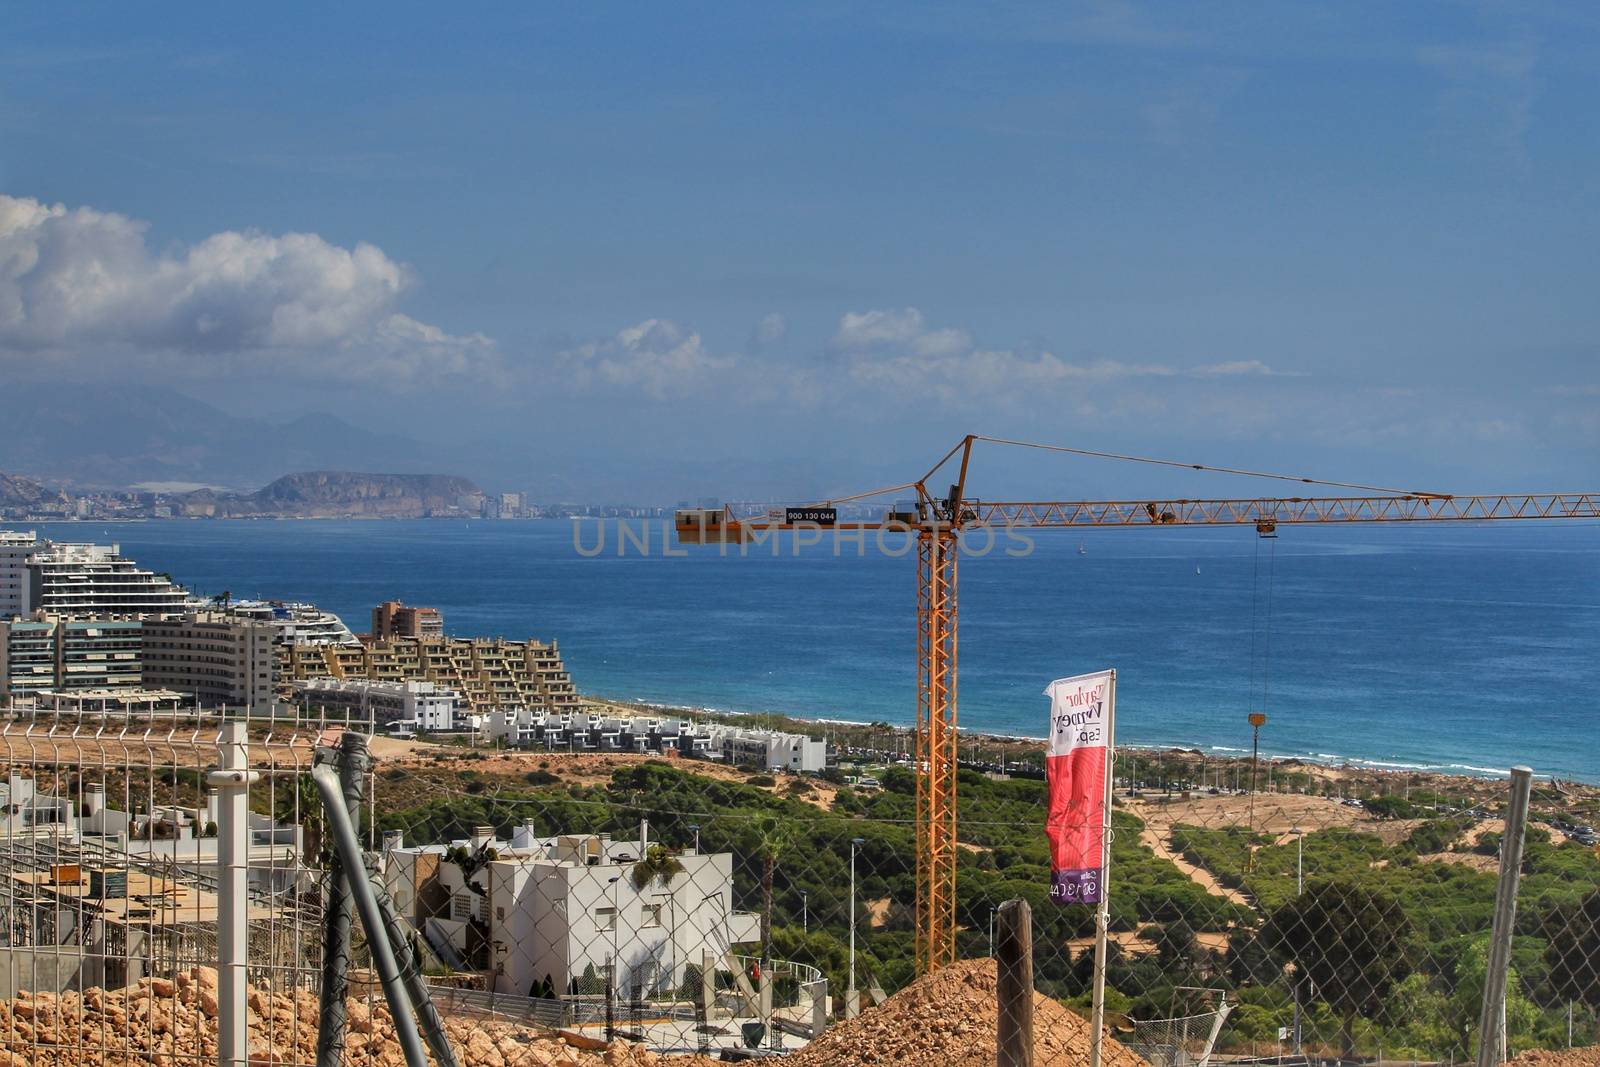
(217, 658)
(488, 673)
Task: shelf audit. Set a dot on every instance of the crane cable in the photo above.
(1255, 599)
(1265, 632)
(1266, 651)
(1200, 467)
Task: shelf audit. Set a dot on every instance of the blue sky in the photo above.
(690, 248)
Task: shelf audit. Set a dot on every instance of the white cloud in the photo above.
(658, 356)
(1487, 94)
(771, 329)
(897, 350)
(84, 280)
(1237, 366)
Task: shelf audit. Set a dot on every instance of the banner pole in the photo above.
(1102, 915)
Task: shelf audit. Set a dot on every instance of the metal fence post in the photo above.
(349, 847)
(232, 781)
(350, 762)
(1492, 1019)
(1014, 984)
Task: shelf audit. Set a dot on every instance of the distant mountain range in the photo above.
(20, 493)
(84, 437)
(114, 437)
(344, 494)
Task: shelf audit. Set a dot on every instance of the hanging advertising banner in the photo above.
(1077, 768)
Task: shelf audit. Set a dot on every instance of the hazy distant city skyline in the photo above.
(740, 250)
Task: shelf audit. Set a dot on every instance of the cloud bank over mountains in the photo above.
(86, 296)
(84, 285)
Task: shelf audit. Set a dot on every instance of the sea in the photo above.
(1460, 648)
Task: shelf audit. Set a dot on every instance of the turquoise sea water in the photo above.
(1461, 648)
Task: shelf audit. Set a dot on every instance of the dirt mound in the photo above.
(949, 1019)
(168, 1023)
(1577, 1057)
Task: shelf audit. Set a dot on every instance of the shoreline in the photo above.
(1318, 764)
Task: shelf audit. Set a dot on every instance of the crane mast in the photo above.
(937, 523)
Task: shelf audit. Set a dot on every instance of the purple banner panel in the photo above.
(1075, 887)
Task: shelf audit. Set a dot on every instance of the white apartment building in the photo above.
(25, 812)
(424, 706)
(83, 580)
(582, 731)
(186, 838)
(295, 622)
(215, 657)
(773, 750)
(545, 915)
(166, 834)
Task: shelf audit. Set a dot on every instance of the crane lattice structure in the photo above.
(938, 521)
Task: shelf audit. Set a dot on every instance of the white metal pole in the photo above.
(232, 782)
(1102, 917)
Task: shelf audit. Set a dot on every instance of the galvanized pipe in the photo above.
(351, 760)
(1492, 1020)
(349, 849)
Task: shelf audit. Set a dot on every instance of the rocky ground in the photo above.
(950, 1019)
(1577, 1057)
(167, 1023)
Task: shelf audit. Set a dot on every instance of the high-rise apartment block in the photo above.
(217, 658)
(51, 653)
(79, 580)
(392, 619)
(15, 548)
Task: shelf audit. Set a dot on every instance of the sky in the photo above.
(745, 250)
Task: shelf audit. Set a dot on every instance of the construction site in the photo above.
(226, 888)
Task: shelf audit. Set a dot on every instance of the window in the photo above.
(651, 916)
(605, 918)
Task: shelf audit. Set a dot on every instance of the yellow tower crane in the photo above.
(937, 522)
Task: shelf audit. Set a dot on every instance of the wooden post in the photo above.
(1013, 943)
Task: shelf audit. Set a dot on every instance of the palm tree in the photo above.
(773, 836)
(303, 804)
(659, 862)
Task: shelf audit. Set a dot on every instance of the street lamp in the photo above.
(805, 912)
(694, 828)
(851, 997)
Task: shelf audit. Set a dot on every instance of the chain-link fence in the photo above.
(112, 904)
(696, 904)
(554, 901)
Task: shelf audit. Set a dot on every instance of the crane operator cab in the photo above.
(707, 526)
(907, 513)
